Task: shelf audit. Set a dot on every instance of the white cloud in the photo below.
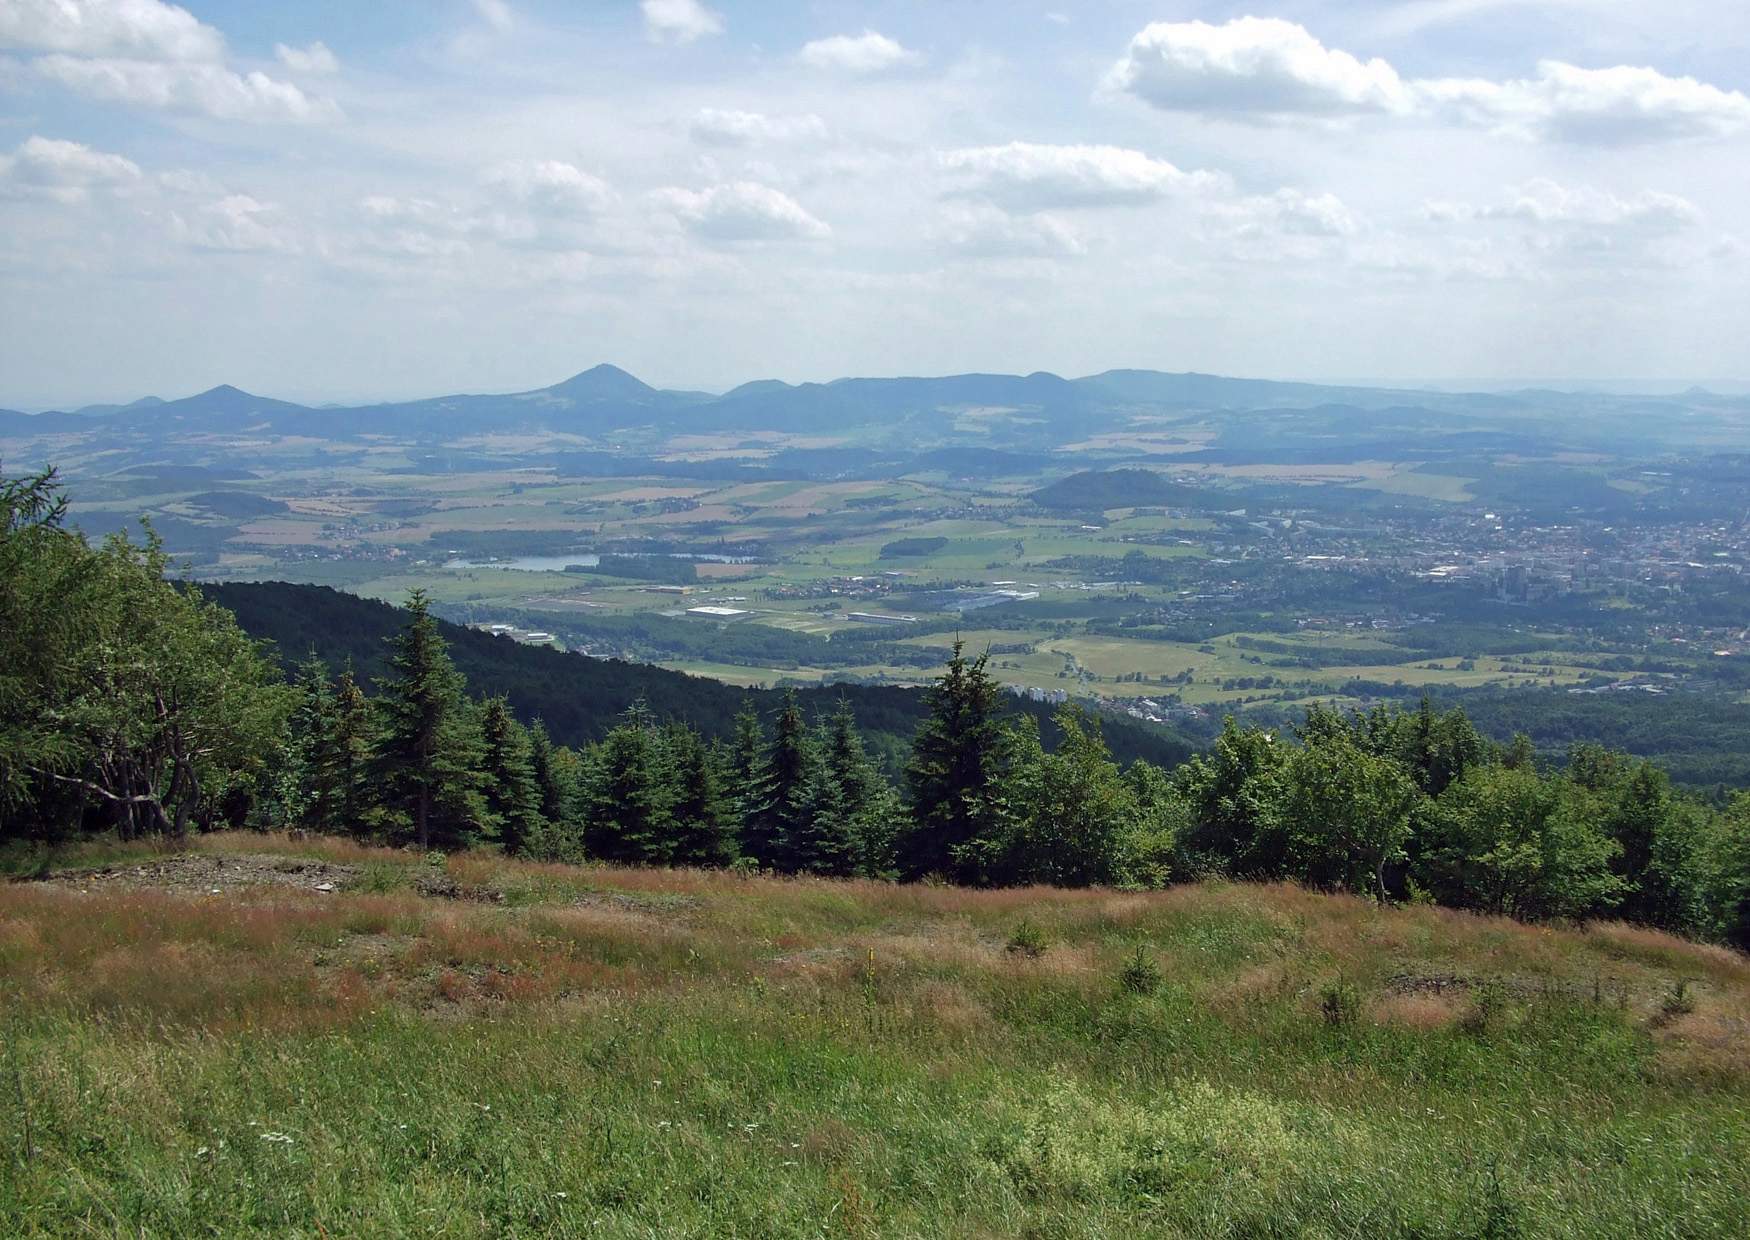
(679, 20)
(1269, 69)
(979, 230)
(129, 28)
(551, 185)
(1288, 213)
(236, 223)
(64, 171)
(186, 86)
(869, 52)
(1029, 176)
(389, 207)
(1543, 201)
(410, 228)
(723, 127)
(743, 211)
(315, 60)
(1257, 66)
(1608, 106)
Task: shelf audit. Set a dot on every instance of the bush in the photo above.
(1028, 940)
(1140, 974)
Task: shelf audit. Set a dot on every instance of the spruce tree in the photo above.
(311, 724)
(513, 796)
(559, 778)
(956, 773)
(345, 759)
(701, 812)
(428, 759)
(626, 805)
(791, 763)
(853, 812)
(751, 787)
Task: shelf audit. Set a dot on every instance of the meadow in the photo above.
(267, 1035)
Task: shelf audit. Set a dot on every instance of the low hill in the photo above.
(1099, 489)
(262, 1035)
(237, 504)
(579, 697)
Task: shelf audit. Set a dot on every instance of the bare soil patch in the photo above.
(206, 873)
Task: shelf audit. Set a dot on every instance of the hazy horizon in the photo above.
(326, 203)
(1613, 387)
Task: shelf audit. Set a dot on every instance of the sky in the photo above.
(324, 200)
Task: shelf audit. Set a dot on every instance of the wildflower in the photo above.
(278, 1138)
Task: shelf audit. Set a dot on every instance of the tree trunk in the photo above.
(424, 819)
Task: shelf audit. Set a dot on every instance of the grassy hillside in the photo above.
(268, 1036)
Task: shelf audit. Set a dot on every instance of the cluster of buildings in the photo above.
(528, 637)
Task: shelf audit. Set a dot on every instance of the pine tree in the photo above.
(513, 796)
(429, 757)
(956, 773)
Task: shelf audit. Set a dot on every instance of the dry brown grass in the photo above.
(279, 843)
(596, 934)
(1666, 951)
(1421, 1010)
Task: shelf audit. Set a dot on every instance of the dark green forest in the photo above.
(135, 705)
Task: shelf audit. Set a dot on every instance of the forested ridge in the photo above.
(131, 704)
(579, 697)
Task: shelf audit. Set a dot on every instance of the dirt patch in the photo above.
(444, 887)
(205, 874)
(666, 908)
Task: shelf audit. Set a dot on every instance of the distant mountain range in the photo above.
(1037, 409)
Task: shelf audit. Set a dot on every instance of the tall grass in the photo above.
(639, 1053)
